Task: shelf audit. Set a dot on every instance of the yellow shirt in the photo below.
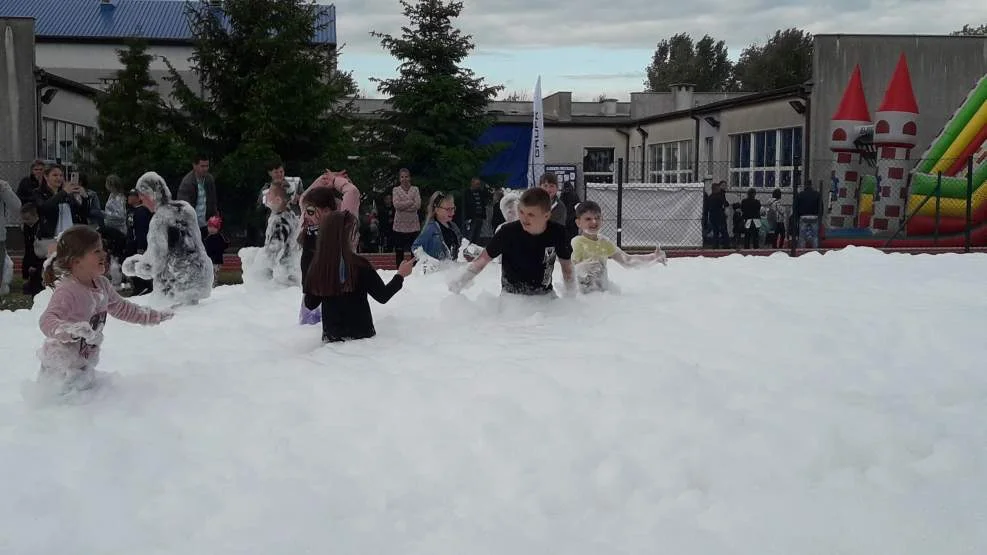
(585, 248)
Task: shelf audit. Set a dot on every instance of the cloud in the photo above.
(506, 26)
(604, 76)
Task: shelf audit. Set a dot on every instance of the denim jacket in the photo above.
(430, 240)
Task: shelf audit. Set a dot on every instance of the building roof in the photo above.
(111, 21)
(46, 79)
(753, 99)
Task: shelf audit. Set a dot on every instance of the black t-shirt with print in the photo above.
(528, 260)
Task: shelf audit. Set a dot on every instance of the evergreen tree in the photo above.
(680, 60)
(439, 108)
(784, 60)
(133, 135)
(270, 90)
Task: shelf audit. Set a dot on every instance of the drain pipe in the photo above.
(627, 143)
(644, 153)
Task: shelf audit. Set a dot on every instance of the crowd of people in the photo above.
(752, 221)
(311, 240)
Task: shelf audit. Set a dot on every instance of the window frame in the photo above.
(663, 156)
(772, 173)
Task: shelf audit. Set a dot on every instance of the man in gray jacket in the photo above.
(198, 188)
(10, 206)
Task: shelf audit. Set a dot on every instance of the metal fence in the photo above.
(884, 200)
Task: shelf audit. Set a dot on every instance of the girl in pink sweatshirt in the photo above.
(74, 319)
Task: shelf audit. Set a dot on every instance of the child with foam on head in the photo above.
(590, 251)
(530, 248)
(76, 314)
(279, 260)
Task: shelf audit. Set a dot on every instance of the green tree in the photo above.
(784, 60)
(680, 60)
(971, 31)
(133, 135)
(438, 108)
(270, 90)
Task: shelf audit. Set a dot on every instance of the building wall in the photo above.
(18, 98)
(943, 71)
(71, 107)
(92, 64)
(565, 144)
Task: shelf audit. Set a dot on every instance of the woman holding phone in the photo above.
(60, 206)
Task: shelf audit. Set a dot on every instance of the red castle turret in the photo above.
(851, 114)
(896, 125)
(894, 136)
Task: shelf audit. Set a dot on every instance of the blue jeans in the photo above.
(809, 232)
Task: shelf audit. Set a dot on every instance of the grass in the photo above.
(16, 301)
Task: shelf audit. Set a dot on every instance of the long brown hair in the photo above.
(73, 244)
(334, 256)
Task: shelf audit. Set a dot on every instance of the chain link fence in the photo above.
(880, 199)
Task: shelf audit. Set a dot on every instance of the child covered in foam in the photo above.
(590, 251)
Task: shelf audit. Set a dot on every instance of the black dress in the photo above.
(347, 316)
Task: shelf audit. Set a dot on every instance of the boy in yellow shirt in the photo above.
(590, 252)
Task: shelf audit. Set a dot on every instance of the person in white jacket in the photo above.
(10, 206)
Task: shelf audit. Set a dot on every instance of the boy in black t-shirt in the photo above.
(529, 247)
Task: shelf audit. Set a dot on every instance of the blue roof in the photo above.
(162, 20)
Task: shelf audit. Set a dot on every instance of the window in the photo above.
(670, 162)
(598, 165)
(60, 139)
(766, 159)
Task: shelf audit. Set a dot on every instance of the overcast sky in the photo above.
(591, 47)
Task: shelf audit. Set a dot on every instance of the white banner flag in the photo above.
(536, 156)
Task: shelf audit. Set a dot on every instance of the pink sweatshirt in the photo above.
(77, 310)
(351, 195)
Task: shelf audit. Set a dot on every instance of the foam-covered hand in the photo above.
(74, 331)
(592, 268)
(158, 316)
(568, 288)
(462, 281)
(660, 257)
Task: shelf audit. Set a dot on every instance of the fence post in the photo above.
(620, 199)
(794, 231)
(935, 232)
(969, 201)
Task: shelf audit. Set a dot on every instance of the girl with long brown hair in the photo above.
(339, 280)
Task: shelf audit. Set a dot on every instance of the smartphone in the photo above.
(74, 177)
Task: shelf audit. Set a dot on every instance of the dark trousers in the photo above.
(778, 241)
(752, 235)
(720, 237)
(476, 227)
(402, 244)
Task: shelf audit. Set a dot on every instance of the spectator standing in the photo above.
(477, 200)
(407, 202)
(9, 206)
(198, 188)
(29, 186)
(808, 207)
